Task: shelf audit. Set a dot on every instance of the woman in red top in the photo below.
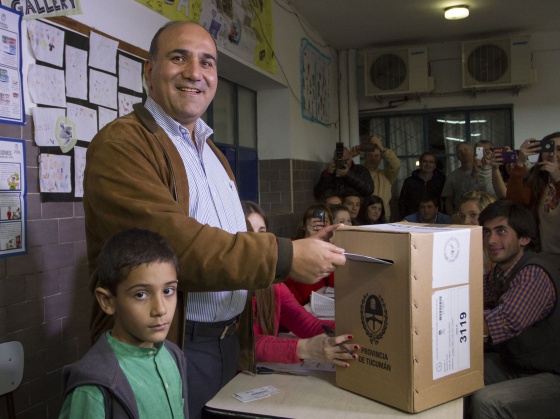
(276, 306)
(309, 226)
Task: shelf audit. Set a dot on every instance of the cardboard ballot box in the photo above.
(415, 310)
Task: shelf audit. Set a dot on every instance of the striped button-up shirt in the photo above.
(213, 200)
(529, 299)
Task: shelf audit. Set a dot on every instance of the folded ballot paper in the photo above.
(322, 305)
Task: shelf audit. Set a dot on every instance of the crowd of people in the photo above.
(185, 296)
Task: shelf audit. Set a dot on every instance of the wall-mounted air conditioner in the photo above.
(397, 71)
(497, 63)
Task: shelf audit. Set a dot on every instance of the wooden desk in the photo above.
(312, 396)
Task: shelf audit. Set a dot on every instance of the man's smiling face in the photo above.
(183, 78)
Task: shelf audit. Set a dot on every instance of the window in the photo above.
(438, 131)
(233, 117)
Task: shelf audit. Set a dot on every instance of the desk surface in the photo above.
(315, 395)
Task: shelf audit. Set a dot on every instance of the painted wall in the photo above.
(282, 131)
(44, 299)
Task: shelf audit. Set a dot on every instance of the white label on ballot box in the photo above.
(450, 264)
(451, 331)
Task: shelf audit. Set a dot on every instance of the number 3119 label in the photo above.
(450, 331)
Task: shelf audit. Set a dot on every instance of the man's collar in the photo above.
(514, 264)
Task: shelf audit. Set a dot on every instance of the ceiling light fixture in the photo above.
(456, 12)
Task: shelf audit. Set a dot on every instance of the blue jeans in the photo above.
(509, 394)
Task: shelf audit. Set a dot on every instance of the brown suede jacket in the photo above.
(135, 177)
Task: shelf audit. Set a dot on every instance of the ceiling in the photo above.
(362, 24)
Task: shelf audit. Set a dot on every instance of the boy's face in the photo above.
(353, 205)
(144, 305)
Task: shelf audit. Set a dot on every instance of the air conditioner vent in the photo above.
(397, 71)
(388, 72)
(497, 63)
(488, 63)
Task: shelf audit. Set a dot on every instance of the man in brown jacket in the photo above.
(156, 168)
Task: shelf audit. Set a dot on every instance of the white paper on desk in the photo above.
(322, 306)
(312, 365)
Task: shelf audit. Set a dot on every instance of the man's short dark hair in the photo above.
(154, 45)
(427, 153)
(127, 250)
(518, 217)
(429, 198)
(329, 193)
(350, 192)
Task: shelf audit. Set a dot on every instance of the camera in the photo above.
(340, 163)
(319, 213)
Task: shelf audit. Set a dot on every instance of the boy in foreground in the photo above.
(132, 371)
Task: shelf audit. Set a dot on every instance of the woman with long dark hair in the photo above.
(310, 225)
(275, 306)
(372, 211)
(540, 188)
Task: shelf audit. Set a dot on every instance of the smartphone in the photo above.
(548, 145)
(319, 213)
(509, 156)
(479, 153)
(340, 163)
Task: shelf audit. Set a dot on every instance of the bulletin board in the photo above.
(82, 79)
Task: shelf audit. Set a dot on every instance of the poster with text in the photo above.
(13, 198)
(44, 8)
(12, 110)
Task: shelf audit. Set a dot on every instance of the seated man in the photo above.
(343, 174)
(429, 212)
(521, 320)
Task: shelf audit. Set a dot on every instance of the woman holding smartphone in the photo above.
(314, 218)
(540, 188)
(275, 306)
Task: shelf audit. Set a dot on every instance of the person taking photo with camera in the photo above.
(342, 174)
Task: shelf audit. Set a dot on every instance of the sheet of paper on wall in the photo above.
(106, 116)
(79, 167)
(130, 74)
(102, 89)
(54, 173)
(321, 305)
(126, 102)
(103, 52)
(46, 85)
(76, 73)
(85, 120)
(44, 124)
(46, 42)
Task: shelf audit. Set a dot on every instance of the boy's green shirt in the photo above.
(153, 376)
